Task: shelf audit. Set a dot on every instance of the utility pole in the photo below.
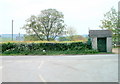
(118, 14)
(12, 30)
(118, 23)
(19, 36)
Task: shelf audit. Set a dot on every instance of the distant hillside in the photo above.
(8, 37)
(85, 35)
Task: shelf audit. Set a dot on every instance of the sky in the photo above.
(82, 15)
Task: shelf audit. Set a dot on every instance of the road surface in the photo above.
(69, 68)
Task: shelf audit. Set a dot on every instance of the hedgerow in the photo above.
(26, 48)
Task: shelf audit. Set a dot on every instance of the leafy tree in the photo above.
(47, 25)
(110, 22)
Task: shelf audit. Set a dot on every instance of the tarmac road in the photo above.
(68, 68)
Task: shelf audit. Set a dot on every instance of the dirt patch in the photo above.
(115, 50)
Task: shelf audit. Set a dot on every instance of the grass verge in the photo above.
(37, 52)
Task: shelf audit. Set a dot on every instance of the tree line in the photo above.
(49, 25)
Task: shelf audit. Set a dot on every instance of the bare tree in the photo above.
(71, 32)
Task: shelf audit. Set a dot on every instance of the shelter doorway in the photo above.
(101, 44)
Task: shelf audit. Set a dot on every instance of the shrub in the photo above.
(89, 43)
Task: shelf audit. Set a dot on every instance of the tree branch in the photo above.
(37, 34)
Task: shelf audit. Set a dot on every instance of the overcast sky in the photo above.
(80, 14)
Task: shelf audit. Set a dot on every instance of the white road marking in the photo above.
(43, 80)
(42, 62)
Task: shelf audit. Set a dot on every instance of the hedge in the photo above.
(28, 47)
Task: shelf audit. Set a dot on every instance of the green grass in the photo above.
(4, 39)
(70, 52)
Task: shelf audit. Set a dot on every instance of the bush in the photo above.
(89, 43)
